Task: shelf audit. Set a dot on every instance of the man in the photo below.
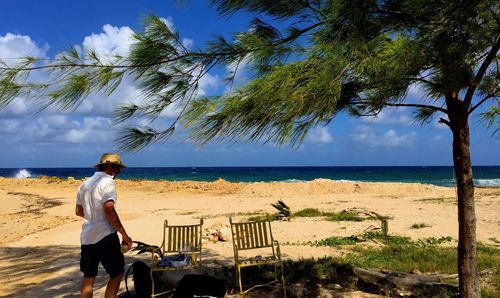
(95, 202)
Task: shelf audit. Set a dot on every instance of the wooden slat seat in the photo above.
(256, 235)
(178, 239)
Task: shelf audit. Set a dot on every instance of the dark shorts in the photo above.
(107, 251)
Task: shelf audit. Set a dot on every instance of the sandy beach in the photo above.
(39, 233)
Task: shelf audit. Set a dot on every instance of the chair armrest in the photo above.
(154, 256)
(278, 250)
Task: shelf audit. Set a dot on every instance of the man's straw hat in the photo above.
(111, 158)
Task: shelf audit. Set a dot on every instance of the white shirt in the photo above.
(92, 195)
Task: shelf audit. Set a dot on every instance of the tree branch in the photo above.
(481, 102)
(413, 105)
(480, 73)
(444, 121)
(299, 33)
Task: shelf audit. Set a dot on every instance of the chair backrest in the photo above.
(251, 235)
(182, 238)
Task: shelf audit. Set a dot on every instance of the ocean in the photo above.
(437, 175)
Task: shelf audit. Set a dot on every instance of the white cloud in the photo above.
(17, 107)
(91, 121)
(388, 139)
(112, 41)
(320, 135)
(90, 130)
(13, 47)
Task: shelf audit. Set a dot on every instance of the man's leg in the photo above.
(113, 261)
(113, 286)
(88, 265)
(87, 287)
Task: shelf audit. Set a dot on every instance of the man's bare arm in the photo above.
(112, 216)
(79, 210)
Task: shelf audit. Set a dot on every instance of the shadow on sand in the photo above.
(53, 271)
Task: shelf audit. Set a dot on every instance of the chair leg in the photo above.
(152, 284)
(238, 277)
(283, 280)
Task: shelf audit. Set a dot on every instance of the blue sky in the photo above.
(62, 139)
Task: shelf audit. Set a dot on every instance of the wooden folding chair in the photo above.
(180, 239)
(256, 235)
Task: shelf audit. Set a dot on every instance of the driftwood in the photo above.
(400, 279)
(404, 279)
(394, 283)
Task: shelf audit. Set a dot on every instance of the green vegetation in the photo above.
(383, 224)
(426, 259)
(402, 240)
(337, 241)
(419, 226)
(261, 216)
(405, 258)
(232, 214)
(343, 216)
(308, 212)
(331, 216)
(392, 240)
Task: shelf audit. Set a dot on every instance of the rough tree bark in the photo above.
(467, 264)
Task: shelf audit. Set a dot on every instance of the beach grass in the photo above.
(308, 212)
(331, 216)
(313, 272)
(343, 216)
(260, 217)
(431, 259)
(419, 226)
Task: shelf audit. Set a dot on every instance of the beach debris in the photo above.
(283, 211)
(396, 283)
(142, 247)
(383, 224)
(217, 232)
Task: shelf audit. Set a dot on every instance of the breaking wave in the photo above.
(22, 174)
(488, 182)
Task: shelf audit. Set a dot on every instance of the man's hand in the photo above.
(127, 240)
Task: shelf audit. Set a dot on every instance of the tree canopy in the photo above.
(310, 61)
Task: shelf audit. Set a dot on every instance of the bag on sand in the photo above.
(142, 280)
(197, 285)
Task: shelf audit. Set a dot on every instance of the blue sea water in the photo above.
(437, 175)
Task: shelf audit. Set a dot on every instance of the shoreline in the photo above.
(434, 175)
(290, 181)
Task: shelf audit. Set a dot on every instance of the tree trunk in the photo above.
(467, 265)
